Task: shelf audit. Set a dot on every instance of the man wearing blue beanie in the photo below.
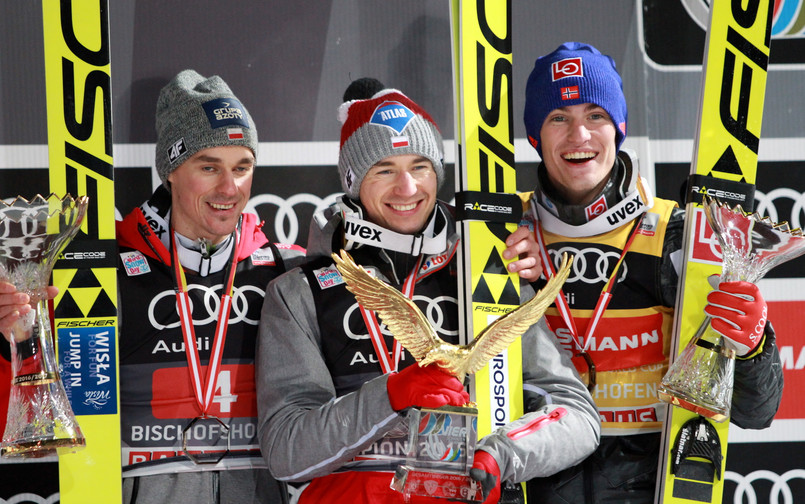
(617, 309)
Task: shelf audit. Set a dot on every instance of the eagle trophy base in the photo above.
(441, 444)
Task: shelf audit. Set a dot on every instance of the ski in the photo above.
(694, 448)
(487, 207)
(79, 123)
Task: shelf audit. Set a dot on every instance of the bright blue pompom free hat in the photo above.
(573, 74)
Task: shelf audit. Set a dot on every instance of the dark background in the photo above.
(289, 63)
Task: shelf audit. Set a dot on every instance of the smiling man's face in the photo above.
(210, 190)
(578, 148)
(399, 192)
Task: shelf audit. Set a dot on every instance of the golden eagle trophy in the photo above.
(441, 441)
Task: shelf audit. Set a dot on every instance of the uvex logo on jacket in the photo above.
(626, 211)
(364, 232)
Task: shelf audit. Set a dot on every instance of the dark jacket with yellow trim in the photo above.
(624, 468)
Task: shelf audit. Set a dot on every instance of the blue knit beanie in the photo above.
(573, 74)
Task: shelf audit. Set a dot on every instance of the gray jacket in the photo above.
(306, 432)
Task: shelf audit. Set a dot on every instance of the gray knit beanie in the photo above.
(385, 125)
(195, 113)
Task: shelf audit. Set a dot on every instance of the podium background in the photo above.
(289, 63)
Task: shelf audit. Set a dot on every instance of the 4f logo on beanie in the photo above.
(176, 150)
(568, 67)
(392, 114)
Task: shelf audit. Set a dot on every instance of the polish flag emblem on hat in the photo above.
(234, 133)
(398, 142)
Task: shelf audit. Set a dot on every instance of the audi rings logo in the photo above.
(780, 491)
(286, 215)
(766, 205)
(590, 265)
(436, 310)
(207, 312)
(31, 498)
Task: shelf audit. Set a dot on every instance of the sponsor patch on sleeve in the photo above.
(135, 263)
(328, 277)
(649, 225)
(263, 257)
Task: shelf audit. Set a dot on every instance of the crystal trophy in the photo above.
(701, 378)
(33, 233)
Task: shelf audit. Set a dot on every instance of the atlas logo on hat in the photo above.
(392, 114)
(387, 124)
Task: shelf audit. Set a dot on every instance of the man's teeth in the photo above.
(579, 155)
(404, 208)
(218, 206)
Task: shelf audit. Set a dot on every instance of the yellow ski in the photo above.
(482, 58)
(79, 105)
(724, 165)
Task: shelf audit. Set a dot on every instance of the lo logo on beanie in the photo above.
(569, 67)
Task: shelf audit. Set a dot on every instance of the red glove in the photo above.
(739, 314)
(485, 470)
(426, 387)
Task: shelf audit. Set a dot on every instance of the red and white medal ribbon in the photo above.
(203, 386)
(603, 298)
(388, 364)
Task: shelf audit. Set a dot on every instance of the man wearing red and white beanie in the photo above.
(333, 390)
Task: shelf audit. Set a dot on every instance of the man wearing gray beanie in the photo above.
(195, 113)
(590, 199)
(191, 245)
(192, 271)
(333, 386)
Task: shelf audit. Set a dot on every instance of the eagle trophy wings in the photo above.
(411, 328)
